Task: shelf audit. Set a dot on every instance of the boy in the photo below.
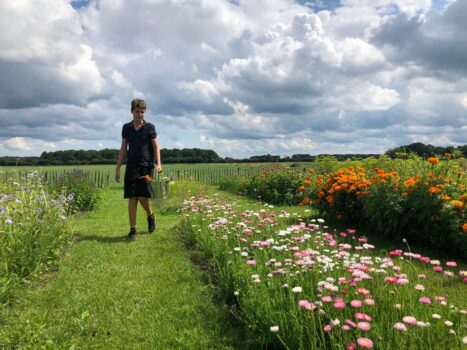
(140, 147)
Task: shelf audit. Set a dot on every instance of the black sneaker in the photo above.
(151, 223)
(132, 234)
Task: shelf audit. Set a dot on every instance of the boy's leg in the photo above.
(151, 217)
(132, 206)
(146, 205)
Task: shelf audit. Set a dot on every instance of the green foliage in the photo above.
(275, 186)
(33, 229)
(79, 189)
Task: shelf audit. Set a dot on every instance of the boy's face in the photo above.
(138, 114)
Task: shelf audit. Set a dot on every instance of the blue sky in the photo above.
(240, 77)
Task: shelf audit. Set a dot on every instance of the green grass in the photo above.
(111, 294)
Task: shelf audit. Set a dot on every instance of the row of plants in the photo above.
(421, 201)
(297, 284)
(34, 223)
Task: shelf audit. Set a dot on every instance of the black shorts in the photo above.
(135, 185)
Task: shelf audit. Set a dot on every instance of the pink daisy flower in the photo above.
(365, 343)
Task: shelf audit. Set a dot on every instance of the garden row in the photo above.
(34, 222)
(423, 202)
(295, 284)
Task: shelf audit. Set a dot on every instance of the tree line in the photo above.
(196, 155)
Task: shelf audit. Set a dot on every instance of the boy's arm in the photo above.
(157, 153)
(121, 158)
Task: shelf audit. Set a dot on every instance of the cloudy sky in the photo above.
(242, 77)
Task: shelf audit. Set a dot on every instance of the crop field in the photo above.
(321, 255)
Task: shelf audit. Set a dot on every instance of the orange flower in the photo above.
(434, 189)
(456, 204)
(464, 227)
(448, 155)
(433, 160)
(307, 182)
(148, 178)
(301, 188)
(410, 182)
(306, 200)
(445, 197)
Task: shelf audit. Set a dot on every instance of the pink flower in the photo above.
(364, 326)
(369, 302)
(326, 299)
(351, 346)
(437, 269)
(409, 320)
(327, 328)
(346, 328)
(339, 305)
(351, 323)
(392, 280)
(440, 298)
(356, 303)
(363, 291)
(425, 300)
(305, 304)
(421, 276)
(251, 262)
(362, 317)
(400, 327)
(451, 264)
(365, 343)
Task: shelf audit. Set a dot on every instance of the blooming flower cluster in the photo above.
(307, 286)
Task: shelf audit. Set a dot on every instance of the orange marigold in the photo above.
(456, 204)
(306, 200)
(445, 197)
(301, 188)
(448, 155)
(434, 189)
(433, 160)
(464, 227)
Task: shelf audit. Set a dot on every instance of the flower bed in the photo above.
(303, 286)
(33, 228)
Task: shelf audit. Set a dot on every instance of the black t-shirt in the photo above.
(140, 151)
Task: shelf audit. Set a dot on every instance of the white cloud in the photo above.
(266, 76)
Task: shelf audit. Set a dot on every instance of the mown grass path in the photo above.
(111, 294)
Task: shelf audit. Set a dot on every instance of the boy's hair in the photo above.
(138, 103)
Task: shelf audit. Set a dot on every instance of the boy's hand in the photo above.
(159, 169)
(117, 175)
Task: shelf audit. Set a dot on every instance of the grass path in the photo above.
(111, 294)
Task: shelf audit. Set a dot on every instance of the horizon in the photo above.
(242, 78)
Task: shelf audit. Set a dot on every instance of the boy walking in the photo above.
(141, 149)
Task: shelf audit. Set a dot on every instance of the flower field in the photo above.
(422, 201)
(300, 285)
(33, 228)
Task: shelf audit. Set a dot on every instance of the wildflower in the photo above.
(448, 323)
(433, 160)
(369, 302)
(352, 346)
(305, 304)
(409, 320)
(436, 316)
(425, 300)
(326, 299)
(420, 287)
(356, 303)
(451, 264)
(9, 221)
(464, 227)
(362, 317)
(398, 306)
(400, 327)
(363, 291)
(421, 276)
(364, 326)
(464, 340)
(437, 269)
(327, 328)
(251, 262)
(339, 305)
(274, 329)
(456, 204)
(423, 324)
(365, 343)
(236, 293)
(297, 289)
